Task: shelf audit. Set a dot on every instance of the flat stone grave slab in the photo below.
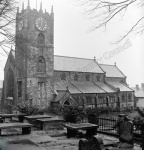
(25, 144)
(72, 129)
(19, 115)
(26, 127)
(23, 147)
(50, 123)
(42, 139)
(32, 119)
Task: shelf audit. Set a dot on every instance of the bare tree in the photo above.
(7, 23)
(104, 11)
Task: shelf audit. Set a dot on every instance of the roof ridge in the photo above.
(121, 72)
(100, 67)
(73, 57)
(107, 64)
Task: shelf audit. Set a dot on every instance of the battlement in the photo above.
(34, 10)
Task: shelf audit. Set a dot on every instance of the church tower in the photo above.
(34, 55)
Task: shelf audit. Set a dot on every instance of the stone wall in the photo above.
(81, 76)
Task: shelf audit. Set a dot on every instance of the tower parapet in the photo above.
(34, 10)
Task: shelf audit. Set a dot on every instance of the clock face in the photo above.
(20, 25)
(41, 24)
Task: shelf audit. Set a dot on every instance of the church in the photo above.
(32, 71)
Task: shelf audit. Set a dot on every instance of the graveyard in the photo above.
(53, 132)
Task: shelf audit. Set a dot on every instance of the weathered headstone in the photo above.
(126, 131)
(83, 144)
(95, 143)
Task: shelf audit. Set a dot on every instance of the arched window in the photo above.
(129, 96)
(40, 39)
(10, 83)
(67, 103)
(123, 97)
(76, 76)
(63, 76)
(87, 77)
(41, 64)
(98, 78)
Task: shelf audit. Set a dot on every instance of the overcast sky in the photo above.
(72, 37)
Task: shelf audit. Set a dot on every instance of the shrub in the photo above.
(92, 115)
(25, 107)
(116, 109)
(140, 111)
(72, 114)
(105, 110)
(138, 121)
(29, 110)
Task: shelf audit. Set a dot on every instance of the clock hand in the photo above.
(41, 23)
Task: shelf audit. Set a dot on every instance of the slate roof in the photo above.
(60, 95)
(87, 87)
(112, 71)
(121, 86)
(59, 86)
(139, 93)
(76, 87)
(105, 87)
(63, 63)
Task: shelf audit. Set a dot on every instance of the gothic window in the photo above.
(89, 99)
(87, 77)
(129, 96)
(123, 98)
(19, 83)
(41, 64)
(40, 39)
(76, 76)
(63, 76)
(10, 83)
(112, 99)
(98, 78)
(104, 100)
(67, 103)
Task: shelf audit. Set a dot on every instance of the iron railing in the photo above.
(108, 125)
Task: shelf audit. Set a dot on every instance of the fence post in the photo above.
(142, 132)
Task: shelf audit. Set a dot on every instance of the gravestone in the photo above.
(95, 143)
(83, 144)
(126, 131)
